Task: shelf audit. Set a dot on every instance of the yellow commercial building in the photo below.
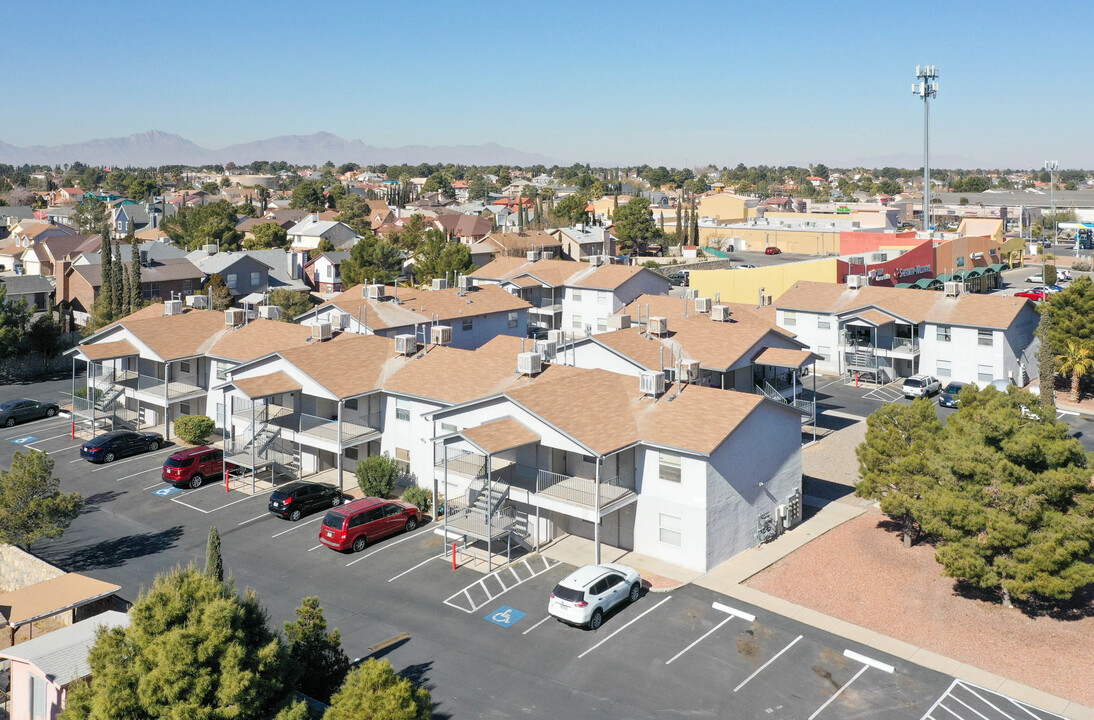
(748, 285)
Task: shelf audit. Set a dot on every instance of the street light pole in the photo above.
(1051, 166)
(926, 88)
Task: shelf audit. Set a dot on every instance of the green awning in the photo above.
(962, 274)
(944, 277)
(927, 283)
(976, 272)
(997, 267)
(906, 286)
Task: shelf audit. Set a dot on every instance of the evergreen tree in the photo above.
(136, 293)
(321, 664)
(1077, 362)
(214, 563)
(126, 297)
(694, 225)
(106, 286)
(373, 691)
(32, 505)
(680, 224)
(1072, 315)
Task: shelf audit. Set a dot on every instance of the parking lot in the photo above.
(484, 644)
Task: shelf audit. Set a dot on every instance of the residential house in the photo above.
(585, 241)
(307, 233)
(36, 290)
(130, 217)
(42, 257)
(577, 298)
(883, 334)
(323, 274)
(80, 284)
(148, 251)
(467, 229)
(28, 232)
(515, 244)
(66, 196)
(473, 316)
(284, 218)
(249, 274)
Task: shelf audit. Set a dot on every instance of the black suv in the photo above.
(298, 498)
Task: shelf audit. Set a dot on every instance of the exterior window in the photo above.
(256, 279)
(150, 291)
(448, 427)
(790, 319)
(668, 466)
(468, 324)
(985, 373)
(577, 295)
(402, 459)
(577, 323)
(602, 324)
(402, 409)
(943, 367)
(350, 453)
(230, 280)
(37, 700)
(824, 324)
(188, 287)
(942, 334)
(184, 408)
(671, 529)
(513, 317)
(222, 371)
(984, 337)
(184, 366)
(602, 298)
(351, 404)
(825, 352)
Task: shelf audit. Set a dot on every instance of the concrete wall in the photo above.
(685, 500)
(743, 285)
(957, 254)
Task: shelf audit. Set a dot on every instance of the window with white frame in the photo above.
(468, 324)
(825, 352)
(790, 318)
(668, 466)
(402, 459)
(824, 324)
(448, 427)
(985, 337)
(602, 324)
(943, 368)
(37, 701)
(230, 280)
(577, 323)
(603, 298)
(985, 373)
(402, 409)
(942, 333)
(671, 529)
(256, 279)
(184, 366)
(513, 317)
(577, 295)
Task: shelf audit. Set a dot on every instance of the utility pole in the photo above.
(926, 88)
(1051, 166)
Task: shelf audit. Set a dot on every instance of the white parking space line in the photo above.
(296, 526)
(703, 637)
(734, 612)
(385, 547)
(152, 486)
(70, 447)
(761, 668)
(142, 472)
(207, 512)
(536, 625)
(315, 548)
(107, 466)
(497, 578)
(631, 622)
(54, 437)
(424, 562)
(23, 428)
(884, 667)
(839, 692)
(259, 517)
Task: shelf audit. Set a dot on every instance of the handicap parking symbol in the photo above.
(166, 491)
(24, 440)
(505, 616)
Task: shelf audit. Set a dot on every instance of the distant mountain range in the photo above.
(159, 148)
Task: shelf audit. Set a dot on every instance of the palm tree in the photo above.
(1076, 362)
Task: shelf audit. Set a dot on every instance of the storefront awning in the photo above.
(944, 277)
(927, 283)
(997, 267)
(976, 272)
(906, 286)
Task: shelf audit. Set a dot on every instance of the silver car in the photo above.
(921, 386)
(584, 596)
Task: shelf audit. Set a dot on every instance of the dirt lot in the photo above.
(869, 579)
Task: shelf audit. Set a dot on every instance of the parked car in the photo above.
(1038, 278)
(298, 498)
(1036, 294)
(109, 446)
(1053, 288)
(921, 386)
(745, 266)
(1063, 275)
(537, 333)
(193, 466)
(356, 524)
(583, 597)
(679, 278)
(949, 398)
(772, 250)
(18, 411)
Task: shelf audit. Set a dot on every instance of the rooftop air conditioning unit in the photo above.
(555, 336)
(233, 317)
(375, 292)
(691, 293)
(269, 312)
(529, 363)
(210, 249)
(440, 335)
(765, 299)
(596, 260)
(533, 255)
(547, 255)
(651, 383)
(465, 282)
(546, 349)
(440, 283)
(197, 301)
(689, 370)
(952, 289)
(338, 320)
(702, 305)
(855, 282)
(619, 322)
(720, 313)
(659, 325)
(406, 344)
(172, 307)
(321, 331)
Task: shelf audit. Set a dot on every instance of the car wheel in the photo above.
(336, 501)
(153, 446)
(196, 481)
(50, 412)
(359, 544)
(411, 524)
(108, 458)
(9, 422)
(596, 620)
(295, 515)
(636, 590)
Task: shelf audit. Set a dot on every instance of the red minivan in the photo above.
(360, 522)
(193, 466)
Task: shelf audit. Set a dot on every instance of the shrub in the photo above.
(419, 496)
(1081, 266)
(1050, 274)
(376, 475)
(194, 429)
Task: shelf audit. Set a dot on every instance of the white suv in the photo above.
(585, 595)
(920, 386)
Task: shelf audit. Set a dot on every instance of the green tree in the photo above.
(210, 224)
(634, 226)
(193, 649)
(324, 246)
(893, 459)
(136, 292)
(439, 258)
(479, 189)
(370, 259)
(263, 194)
(43, 335)
(222, 296)
(1072, 315)
(214, 560)
(504, 177)
(694, 239)
(1077, 362)
(353, 210)
(570, 210)
(307, 196)
(14, 319)
(321, 664)
(267, 235)
(32, 506)
(210, 188)
(92, 216)
(336, 193)
(438, 182)
(293, 304)
(1046, 363)
(374, 691)
(194, 429)
(376, 475)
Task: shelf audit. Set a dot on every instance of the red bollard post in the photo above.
(453, 556)
(856, 379)
(226, 478)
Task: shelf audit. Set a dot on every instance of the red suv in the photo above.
(772, 250)
(360, 522)
(193, 466)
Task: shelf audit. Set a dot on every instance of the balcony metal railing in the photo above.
(546, 303)
(155, 386)
(475, 521)
(582, 491)
(260, 412)
(910, 345)
(467, 463)
(353, 427)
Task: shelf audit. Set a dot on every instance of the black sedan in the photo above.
(298, 498)
(112, 445)
(18, 411)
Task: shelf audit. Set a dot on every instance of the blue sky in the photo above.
(602, 82)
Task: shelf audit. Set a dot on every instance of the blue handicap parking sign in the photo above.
(24, 440)
(166, 491)
(505, 616)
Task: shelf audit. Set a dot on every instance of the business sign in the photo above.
(917, 270)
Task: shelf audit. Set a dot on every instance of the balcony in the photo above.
(353, 427)
(176, 388)
(546, 305)
(905, 346)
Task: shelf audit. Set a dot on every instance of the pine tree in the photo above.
(126, 297)
(321, 663)
(680, 220)
(117, 273)
(106, 286)
(694, 225)
(374, 691)
(136, 298)
(214, 563)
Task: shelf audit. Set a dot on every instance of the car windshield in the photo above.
(179, 462)
(334, 520)
(953, 388)
(913, 382)
(569, 594)
(7, 406)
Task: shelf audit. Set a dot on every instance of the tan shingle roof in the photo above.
(670, 307)
(419, 306)
(785, 357)
(52, 596)
(350, 365)
(266, 385)
(500, 435)
(917, 306)
(875, 316)
(107, 350)
(558, 273)
(258, 338)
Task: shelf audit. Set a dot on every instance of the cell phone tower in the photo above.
(926, 88)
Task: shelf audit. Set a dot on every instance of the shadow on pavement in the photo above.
(116, 552)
